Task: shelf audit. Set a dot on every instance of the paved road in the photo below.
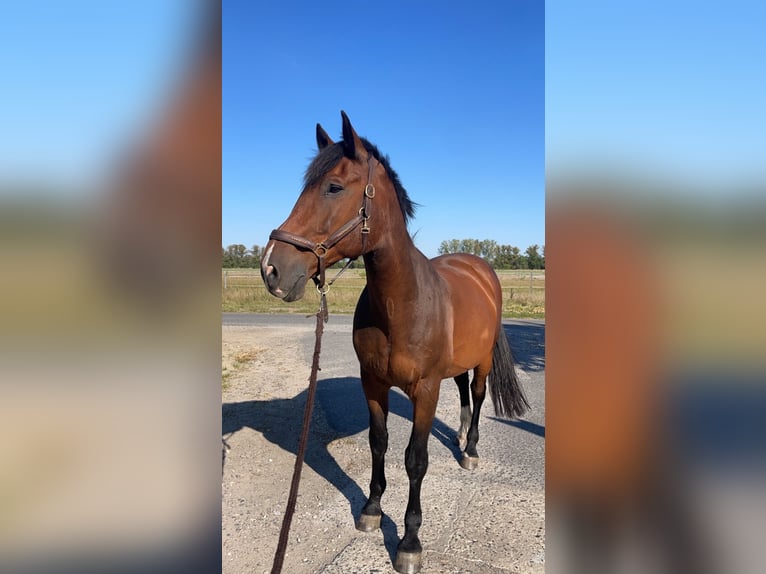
(253, 319)
(488, 521)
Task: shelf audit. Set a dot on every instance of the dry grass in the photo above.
(523, 297)
(232, 363)
(244, 357)
(245, 292)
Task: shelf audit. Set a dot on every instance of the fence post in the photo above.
(530, 282)
(225, 279)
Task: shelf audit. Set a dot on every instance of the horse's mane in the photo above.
(329, 157)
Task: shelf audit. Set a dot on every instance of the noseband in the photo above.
(320, 249)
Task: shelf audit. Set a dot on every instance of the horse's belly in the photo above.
(475, 300)
(473, 344)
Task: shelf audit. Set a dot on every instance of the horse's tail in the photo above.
(507, 395)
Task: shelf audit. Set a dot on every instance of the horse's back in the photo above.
(476, 301)
(471, 279)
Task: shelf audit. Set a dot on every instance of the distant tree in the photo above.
(533, 257)
(488, 249)
(509, 257)
(499, 256)
(235, 256)
(238, 255)
(226, 259)
(472, 246)
(255, 256)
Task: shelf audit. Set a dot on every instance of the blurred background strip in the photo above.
(655, 223)
(110, 183)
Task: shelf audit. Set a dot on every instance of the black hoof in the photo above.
(408, 562)
(368, 522)
(469, 462)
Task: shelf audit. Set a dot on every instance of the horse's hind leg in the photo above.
(470, 458)
(465, 410)
(377, 403)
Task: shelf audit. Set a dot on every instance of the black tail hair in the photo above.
(507, 395)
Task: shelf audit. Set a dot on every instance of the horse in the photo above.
(418, 320)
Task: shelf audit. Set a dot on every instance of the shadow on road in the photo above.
(530, 427)
(341, 411)
(528, 345)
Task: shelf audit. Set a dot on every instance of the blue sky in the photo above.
(454, 95)
(672, 89)
(80, 78)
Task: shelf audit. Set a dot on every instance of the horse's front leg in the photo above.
(376, 393)
(409, 553)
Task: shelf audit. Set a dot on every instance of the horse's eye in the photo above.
(334, 188)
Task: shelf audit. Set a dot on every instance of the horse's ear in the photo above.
(351, 142)
(323, 140)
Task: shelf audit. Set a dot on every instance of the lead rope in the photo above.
(279, 556)
(324, 289)
(322, 317)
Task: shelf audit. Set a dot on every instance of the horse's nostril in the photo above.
(271, 275)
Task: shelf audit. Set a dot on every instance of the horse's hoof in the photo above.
(469, 462)
(368, 522)
(408, 562)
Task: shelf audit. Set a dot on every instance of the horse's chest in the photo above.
(378, 356)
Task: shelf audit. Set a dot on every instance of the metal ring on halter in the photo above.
(323, 290)
(320, 250)
(369, 190)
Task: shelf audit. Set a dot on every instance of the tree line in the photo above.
(499, 256)
(240, 256)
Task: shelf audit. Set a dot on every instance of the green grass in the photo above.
(245, 292)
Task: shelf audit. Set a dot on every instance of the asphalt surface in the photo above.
(489, 520)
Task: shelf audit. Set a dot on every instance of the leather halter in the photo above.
(320, 249)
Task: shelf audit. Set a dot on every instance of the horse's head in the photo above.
(333, 217)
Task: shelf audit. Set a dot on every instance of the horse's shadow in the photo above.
(340, 411)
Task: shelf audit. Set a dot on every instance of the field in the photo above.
(243, 291)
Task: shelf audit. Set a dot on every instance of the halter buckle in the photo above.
(320, 250)
(369, 191)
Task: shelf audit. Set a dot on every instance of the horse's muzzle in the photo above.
(286, 281)
(292, 293)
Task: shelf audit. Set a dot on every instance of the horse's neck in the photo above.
(397, 276)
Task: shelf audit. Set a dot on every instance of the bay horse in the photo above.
(417, 321)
